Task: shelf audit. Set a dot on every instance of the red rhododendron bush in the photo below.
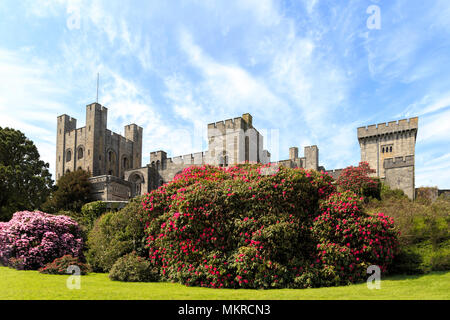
(254, 226)
(32, 239)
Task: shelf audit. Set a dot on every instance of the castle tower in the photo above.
(293, 153)
(134, 133)
(389, 148)
(96, 119)
(235, 141)
(64, 151)
(311, 157)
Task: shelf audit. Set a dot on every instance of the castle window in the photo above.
(390, 149)
(382, 150)
(89, 152)
(59, 158)
(125, 163)
(80, 153)
(68, 156)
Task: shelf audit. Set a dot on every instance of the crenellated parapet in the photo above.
(404, 125)
(399, 162)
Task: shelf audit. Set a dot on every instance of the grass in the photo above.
(31, 285)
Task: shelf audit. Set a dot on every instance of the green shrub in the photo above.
(90, 212)
(440, 261)
(407, 261)
(60, 265)
(133, 268)
(115, 234)
(386, 193)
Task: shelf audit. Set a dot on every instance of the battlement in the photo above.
(191, 158)
(335, 173)
(229, 124)
(389, 127)
(96, 106)
(238, 123)
(399, 162)
(68, 122)
(133, 126)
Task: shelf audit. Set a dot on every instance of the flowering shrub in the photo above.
(251, 227)
(32, 239)
(60, 265)
(358, 180)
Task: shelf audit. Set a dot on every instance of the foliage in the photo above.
(32, 239)
(90, 212)
(72, 192)
(254, 226)
(416, 221)
(133, 268)
(407, 261)
(61, 265)
(358, 180)
(25, 181)
(440, 261)
(386, 193)
(115, 234)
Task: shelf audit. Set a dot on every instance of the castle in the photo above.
(115, 161)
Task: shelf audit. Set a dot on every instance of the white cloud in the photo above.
(31, 99)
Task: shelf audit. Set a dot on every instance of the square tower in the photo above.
(235, 141)
(389, 148)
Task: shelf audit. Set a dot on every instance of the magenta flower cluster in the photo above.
(32, 239)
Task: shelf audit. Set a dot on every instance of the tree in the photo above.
(358, 180)
(72, 192)
(25, 181)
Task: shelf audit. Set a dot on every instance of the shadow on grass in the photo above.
(396, 277)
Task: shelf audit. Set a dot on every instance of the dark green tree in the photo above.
(72, 192)
(25, 181)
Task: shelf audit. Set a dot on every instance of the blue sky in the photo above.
(309, 71)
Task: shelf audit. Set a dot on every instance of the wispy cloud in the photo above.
(310, 70)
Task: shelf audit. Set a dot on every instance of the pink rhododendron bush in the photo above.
(32, 239)
(254, 226)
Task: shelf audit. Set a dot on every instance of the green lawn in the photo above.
(33, 285)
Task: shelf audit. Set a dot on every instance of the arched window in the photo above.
(80, 153)
(390, 149)
(382, 150)
(125, 163)
(68, 155)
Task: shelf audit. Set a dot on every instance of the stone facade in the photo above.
(117, 173)
(389, 148)
(105, 154)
